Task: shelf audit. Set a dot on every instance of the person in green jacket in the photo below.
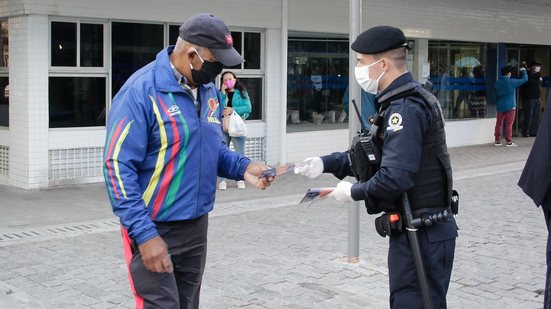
(234, 98)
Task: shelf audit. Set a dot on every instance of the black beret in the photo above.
(379, 39)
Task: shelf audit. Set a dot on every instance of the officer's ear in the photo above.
(386, 64)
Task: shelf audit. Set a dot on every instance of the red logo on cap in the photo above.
(229, 40)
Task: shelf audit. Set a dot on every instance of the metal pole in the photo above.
(284, 52)
(353, 127)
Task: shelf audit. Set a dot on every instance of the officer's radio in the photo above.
(364, 153)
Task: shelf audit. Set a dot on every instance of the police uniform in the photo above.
(414, 159)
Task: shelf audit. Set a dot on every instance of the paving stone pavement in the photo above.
(59, 248)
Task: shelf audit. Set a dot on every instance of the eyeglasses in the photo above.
(201, 58)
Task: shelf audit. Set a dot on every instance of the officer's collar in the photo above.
(399, 81)
(401, 84)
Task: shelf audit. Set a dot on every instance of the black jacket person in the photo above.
(414, 159)
(536, 183)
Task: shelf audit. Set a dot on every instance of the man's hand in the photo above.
(311, 167)
(343, 192)
(254, 169)
(155, 255)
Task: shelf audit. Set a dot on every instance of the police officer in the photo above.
(414, 160)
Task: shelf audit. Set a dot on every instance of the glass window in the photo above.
(77, 101)
(249, 45)
(237, 38)
(4, 43)
(4, 79)
(463, 75)
(317, 80)
(64, 44)
(4, 101)
(251, 50)
(91, 45)
(173, 34)
(133, 46)
(254, 89)
(77, 96)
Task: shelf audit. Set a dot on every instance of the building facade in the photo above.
(64, 60)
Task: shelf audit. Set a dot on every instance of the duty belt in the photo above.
(392, 223)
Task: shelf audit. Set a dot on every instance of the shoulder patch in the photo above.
(395, 122)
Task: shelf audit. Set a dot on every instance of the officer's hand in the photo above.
(522, 69)
(310, 167)
(343, 192)
(253, 175)
(155, 255)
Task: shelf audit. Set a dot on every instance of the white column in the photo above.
(421, 58)
(28, 70)
(276, 98)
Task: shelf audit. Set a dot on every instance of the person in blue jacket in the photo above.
(163, 153)
(506, 104)
(367, 108)
(234, 98)
(414, 160)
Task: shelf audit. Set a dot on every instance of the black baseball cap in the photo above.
(379, 39)
(533, 63)
(209, 31)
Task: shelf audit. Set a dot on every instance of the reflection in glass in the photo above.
(459, 76)
(64, 44)
(77, 101)
(133, 46)
(91, 45)
(317, 80)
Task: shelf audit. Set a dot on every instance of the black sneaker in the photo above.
(511, 144)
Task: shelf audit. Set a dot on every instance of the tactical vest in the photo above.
(434, 183)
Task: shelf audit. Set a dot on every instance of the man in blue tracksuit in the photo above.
(163, 153)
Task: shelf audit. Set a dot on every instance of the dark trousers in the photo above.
(547, 296)
(187, 246)
(531, 117)
(404, 285)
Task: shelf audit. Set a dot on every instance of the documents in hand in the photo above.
(276, 171)
(314, 193)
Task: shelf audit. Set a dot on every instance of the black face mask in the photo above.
(208, 72)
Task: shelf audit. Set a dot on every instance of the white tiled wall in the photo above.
(28, 101)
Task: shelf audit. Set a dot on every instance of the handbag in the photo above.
(236, 125)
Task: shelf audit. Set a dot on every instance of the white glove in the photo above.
(522, 69)
(343, 192)
(311, 167)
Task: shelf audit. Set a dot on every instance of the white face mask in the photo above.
(537, 69)
(362, 77)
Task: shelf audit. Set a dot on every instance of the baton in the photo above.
(417, 257)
